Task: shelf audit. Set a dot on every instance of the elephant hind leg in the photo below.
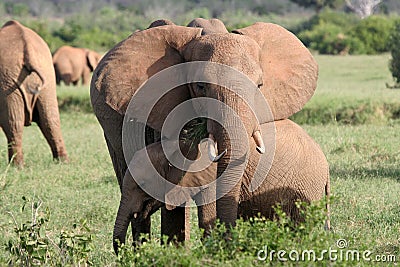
(67, 78)
(13, 129)
(48, 120)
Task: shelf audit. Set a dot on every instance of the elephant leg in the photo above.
(176, 223)
(86, 77)
(206, 215)
(48, 119)
(143, 228)
(13, 129)
(227, 206)
(13, 116)
(66, 78)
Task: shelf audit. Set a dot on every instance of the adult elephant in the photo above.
(271, 57)
(299, 172)
(73, 63)
(27, 90)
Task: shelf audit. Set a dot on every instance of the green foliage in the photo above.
(373, 32)
(394, 63)
(34, 247)
(339, 33)
(318, 4)
(241, 245)
(16, 9)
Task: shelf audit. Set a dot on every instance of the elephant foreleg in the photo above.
(176, 223)
(86, 77)
(206, 216)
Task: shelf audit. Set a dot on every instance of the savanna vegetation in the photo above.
(62, 214)
(59, 214)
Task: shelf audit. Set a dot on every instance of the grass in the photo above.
(82, 196)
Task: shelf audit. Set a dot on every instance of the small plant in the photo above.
(34, 247)
(31, 247)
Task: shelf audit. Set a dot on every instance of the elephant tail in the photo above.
(327, 205)
(36, 90)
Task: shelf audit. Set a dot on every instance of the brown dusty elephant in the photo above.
(73, 63)
(136, 205)
(272, 59)
(299, 172)
(27, 90)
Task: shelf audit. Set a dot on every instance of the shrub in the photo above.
(374, 33)
(328, 38)
(394, 44)
(340, 33)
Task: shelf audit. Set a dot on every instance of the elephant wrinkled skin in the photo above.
(27, 90)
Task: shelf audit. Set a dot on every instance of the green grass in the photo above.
(365, 172)
(352, 90)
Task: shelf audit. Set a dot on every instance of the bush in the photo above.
(340, 33)
(394, 44)
(328, 38)
(374, 33)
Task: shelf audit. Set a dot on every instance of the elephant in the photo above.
(208, 26)
(274, 61)
(299, 172)
(73, 63)
(160, 22)
(135, 202)
(27, 90)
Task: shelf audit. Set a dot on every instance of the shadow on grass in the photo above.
(364, 172)
(75, 103)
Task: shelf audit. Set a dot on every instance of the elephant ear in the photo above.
(92, 59)
(289, 70)
(130, 63)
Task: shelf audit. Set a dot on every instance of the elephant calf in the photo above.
(299, 172)
(73, 63)
(27, 90)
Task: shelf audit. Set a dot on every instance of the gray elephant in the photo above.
(73, 63)
(27, 90)
(272, 58)
(299, 172)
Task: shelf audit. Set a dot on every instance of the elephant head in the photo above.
(209, 26)
(271, 58)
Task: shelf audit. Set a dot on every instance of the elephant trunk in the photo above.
(232, 135)
(121, 225)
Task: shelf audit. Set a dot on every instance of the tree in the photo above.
(394, 63)
(318, 5)
(363, 8)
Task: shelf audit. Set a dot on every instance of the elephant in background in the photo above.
(208, 26)
(299, 172)
(271, 57)
(27, 90)
(73, 63)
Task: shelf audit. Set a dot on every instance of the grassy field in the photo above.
(78, 201)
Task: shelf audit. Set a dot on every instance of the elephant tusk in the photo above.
(212, 150)
(135, 215)
(259, 142)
